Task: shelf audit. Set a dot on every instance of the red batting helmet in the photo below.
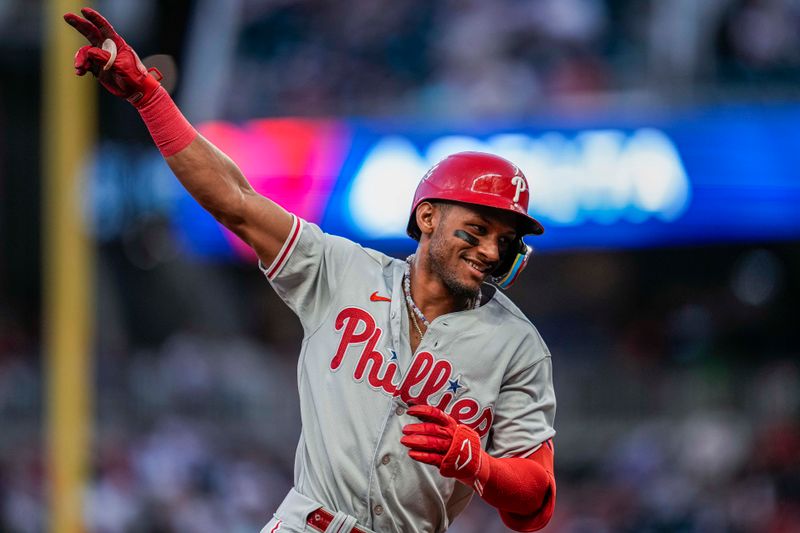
(481, 179)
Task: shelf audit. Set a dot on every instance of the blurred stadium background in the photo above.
(661, 141)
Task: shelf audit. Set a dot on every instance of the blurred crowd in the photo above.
(198, 436)
(506, 58)
(452, 58)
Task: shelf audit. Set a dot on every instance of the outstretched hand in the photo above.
(113, 62)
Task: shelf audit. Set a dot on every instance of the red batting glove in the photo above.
(127, 77)
(440, 441)
(522, 489)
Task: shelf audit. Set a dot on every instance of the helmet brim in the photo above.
(527, 225)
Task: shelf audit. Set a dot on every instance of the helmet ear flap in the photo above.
(514, 262)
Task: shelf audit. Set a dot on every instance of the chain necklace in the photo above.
(409, 300)
(416, 324)
(416, 312)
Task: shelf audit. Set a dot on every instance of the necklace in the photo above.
(416, 324)
(409, 300)
(416, 312)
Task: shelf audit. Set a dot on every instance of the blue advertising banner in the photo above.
(701, 176)
(712, 175)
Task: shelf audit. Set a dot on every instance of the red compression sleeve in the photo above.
(522, 489)
(167, 125)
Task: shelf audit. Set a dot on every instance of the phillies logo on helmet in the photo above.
(521, 185)
(428, 380)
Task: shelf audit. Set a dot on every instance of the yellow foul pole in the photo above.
(68, 123)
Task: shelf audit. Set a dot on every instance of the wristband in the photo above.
(168, 127)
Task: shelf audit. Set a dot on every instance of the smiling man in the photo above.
(420, 383)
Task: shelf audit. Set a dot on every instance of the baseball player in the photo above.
(420, 384)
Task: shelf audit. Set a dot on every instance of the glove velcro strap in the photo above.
(150, 85)
(464, 460)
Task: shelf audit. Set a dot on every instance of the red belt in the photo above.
(321, 519)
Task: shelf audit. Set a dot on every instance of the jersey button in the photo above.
(378, 509)
(385, 459)
(399, 411)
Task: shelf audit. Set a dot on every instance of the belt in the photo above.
(321, 519)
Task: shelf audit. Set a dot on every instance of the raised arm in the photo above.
(214, 180)
(209, 175)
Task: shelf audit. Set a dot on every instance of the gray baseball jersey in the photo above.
(487, 367)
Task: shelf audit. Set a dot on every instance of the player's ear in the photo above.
(426, 217)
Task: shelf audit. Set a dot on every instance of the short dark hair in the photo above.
(444, 205)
